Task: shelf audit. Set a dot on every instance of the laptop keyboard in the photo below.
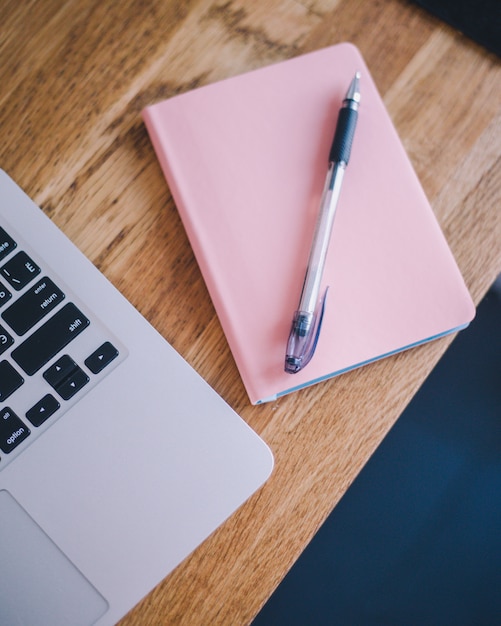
(52, 350)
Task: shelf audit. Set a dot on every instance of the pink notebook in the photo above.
(245, 160)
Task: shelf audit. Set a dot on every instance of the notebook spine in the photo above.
(201, 248)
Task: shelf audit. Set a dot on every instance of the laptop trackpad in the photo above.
(38, 584)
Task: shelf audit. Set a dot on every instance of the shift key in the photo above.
(50, 338)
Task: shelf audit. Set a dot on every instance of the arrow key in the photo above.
(57, 372)
(66, 377)
(72, 383)
(99, 359)
(42, 410)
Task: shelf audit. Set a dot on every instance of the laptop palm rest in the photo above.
(39, 584)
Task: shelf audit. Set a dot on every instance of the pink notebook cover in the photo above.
(245, 160)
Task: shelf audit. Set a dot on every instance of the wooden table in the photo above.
(75, 75)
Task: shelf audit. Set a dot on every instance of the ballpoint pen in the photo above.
(307, 319)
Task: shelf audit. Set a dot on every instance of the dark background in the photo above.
(478, 19)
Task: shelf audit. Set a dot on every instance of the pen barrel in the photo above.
(343, 137)
(321, 238)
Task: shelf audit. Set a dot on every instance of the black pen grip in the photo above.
(343, 137)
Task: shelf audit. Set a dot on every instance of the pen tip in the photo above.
(353, 92)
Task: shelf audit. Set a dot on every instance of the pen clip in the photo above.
(303, 338)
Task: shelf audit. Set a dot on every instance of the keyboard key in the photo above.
(20, 270)
(5, 340)
(50, 338)
(72, 384)
(10, 380)
(32, 306)
(7, 244)
(60, 370)
(5, 295)
(42, 410)
(102, 357)
(66, 377)
(12, 430)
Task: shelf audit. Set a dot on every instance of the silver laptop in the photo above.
(116, 458)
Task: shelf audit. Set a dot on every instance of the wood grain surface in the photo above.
(74, 76)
